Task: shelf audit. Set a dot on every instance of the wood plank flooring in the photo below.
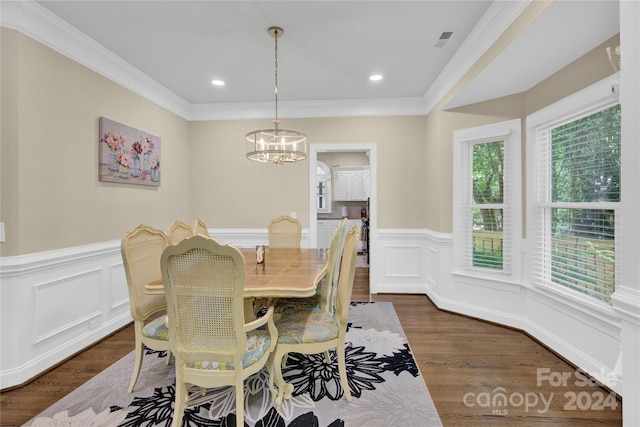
(465, 364)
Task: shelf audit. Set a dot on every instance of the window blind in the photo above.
(485, 217)
(578, 197)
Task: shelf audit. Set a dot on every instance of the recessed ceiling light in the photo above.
(217, 82)
(375, 77)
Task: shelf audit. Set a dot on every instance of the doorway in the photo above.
(370, 151)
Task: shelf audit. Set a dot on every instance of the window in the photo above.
(487, 196)
(323, 188)
(486, 185)
(577, 192)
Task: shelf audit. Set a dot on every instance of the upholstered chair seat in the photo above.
(157, 329)
(258, 343)
(307, 327)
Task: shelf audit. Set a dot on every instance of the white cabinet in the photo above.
(350, 183)
(341, 185)
(325, 229)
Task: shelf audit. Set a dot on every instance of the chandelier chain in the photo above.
(276, 121)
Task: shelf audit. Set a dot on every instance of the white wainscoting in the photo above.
(56, 303)
(421, 262)
(406, 261)
(250, 237)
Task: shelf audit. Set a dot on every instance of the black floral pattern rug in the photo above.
(386, 385)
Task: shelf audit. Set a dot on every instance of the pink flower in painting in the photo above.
(155, 163)
(136, 148)
(143, 174)
(113, 140)
(123, 159)
(147, 144)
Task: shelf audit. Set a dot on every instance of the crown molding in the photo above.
(493, 23)
(307, 109)
(35, 21)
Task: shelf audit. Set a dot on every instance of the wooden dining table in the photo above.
(284, 273)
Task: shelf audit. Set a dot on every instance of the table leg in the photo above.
(249, 314)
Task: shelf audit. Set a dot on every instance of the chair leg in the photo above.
(275, 375)
(327, 357)
(342, 369)
(272, 374)
(139, 349)
(249, 313)
(181, 400)
(239, 402)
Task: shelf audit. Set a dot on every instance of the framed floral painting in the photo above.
(128, 155)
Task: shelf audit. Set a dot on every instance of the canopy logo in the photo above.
(593, 398)
(498, 400)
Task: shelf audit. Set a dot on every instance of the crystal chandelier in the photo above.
(276, 145)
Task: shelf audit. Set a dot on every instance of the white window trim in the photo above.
(327, 180)
(600, 95)
(510, 131)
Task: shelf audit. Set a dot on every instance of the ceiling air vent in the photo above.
(444, 38)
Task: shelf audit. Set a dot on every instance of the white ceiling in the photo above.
(567, 30)
(327, 53)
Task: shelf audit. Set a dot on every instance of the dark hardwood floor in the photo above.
(465, 362)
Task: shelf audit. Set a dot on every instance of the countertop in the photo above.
(336, 218)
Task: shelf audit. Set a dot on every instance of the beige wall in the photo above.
(230, 192)
(51, 196)
(585, 71)
(8, 134)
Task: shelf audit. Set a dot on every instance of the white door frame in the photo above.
(370, 150)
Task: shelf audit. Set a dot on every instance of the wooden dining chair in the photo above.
(311, 332)
(200, 227)
(141, 250)
(285, 232)
(204, 287)
(326, 281)
(179, 231)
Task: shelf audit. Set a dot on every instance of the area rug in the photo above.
(386, 385)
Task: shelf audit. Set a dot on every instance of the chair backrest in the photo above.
(347, 274)
(204, 288)
(200, 227)
(141, 249)
(179, 231)
(285, 232)
(333, 265)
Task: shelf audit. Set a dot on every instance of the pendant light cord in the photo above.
(276, 121)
